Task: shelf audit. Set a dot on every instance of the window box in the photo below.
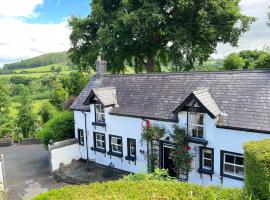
(232, 165)
(197, 140)
(205, 171)
(99, 124)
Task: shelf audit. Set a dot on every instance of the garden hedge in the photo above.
(145, 189)
(257, 169)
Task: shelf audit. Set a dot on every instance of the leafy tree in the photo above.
(233, 61)
(149, 33)
(58, 97)
(263, 62)
(26, 121)
(60, 127)
(4, 101)
(47, 111)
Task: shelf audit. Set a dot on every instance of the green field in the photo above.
(43, 69)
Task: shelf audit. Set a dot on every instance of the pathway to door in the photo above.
(27, 171)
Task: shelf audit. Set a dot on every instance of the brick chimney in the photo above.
(101, 67)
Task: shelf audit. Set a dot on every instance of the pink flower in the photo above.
(148, 123)
(188, 148)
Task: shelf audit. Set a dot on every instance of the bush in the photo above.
(257, 169)
(145, 189)
(60, 127)
(233, 61)
(158, 174)
(47, 111)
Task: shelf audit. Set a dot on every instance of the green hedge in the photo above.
(146, 189)
(257, 169)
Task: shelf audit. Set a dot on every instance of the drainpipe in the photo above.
(86, 134)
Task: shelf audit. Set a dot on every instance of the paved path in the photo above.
(27, 171)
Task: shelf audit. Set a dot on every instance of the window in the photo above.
(131, 145)
(206, 160)
(196, 125)
(100, 113)
(81, 137)
(116, 145)
(99, 142)
(233, 165)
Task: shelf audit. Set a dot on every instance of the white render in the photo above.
(64, 155)
(127, 127)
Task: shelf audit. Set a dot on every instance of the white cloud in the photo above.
(20, 40)
(259, 34)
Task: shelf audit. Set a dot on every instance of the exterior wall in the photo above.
(126, 127)
(64, 155)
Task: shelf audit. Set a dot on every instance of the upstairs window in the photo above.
(196, 125)
(100, 113)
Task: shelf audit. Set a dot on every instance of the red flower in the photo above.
(190, 161)
(148, 124)
(188, 148)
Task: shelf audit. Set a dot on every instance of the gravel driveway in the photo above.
(27, 171)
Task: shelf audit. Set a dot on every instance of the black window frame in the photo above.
(129, 156)
(80, 137)
(201, 168)
(222, 160)
(110, 152)
(98, 149)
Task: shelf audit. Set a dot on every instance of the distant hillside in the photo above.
(43, 60)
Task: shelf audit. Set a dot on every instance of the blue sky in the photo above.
(29, 28)
(55, 11)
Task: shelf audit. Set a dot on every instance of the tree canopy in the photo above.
(147, 34)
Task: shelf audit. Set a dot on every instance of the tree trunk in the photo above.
(150, 65)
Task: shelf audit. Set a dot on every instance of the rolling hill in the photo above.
(43, 60)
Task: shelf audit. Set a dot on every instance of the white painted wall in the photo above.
(127, 127)
(64, 155)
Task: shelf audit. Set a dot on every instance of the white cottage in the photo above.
(220, 111)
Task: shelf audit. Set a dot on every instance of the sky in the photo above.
(30, 28)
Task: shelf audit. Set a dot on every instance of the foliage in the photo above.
(233, 61)
(26, 120)
(180, 153)
(158, 174)
(149, 33)
(47, 111)
(4, 101)
(74, 82)
(150, 133)
(60, 127)
(46, 59)
(58, 97)
(257, 169)
(263, 61)
(145, 189)
(250, 56)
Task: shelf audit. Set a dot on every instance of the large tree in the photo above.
(148, 33)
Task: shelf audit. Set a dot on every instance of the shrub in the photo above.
(233, 61)
(158, 174)
(145, 189)
(257, 169)
(59, 128)
(47, 111)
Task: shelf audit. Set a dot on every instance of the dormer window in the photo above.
(100, 113)
(196, 125)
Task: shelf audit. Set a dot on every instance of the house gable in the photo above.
(105, 96)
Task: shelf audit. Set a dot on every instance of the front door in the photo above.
(167, 161)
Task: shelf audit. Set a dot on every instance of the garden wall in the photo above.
(63, 153)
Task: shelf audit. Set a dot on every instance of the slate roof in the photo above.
(204, 97)
(106, 96)
(243, 95)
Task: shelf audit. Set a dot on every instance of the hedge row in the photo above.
(146, 189)
(257, 169)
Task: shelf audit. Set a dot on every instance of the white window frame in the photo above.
(116, 144)
(232, 164)
(100, 114)
(209, 159)
(100, 141)
(196, 125)
(132, 147)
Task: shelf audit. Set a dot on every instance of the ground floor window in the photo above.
(232, 165)
(81, 137)
(99, 141)
(206, 159)
(116, 145)
(131, 145)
